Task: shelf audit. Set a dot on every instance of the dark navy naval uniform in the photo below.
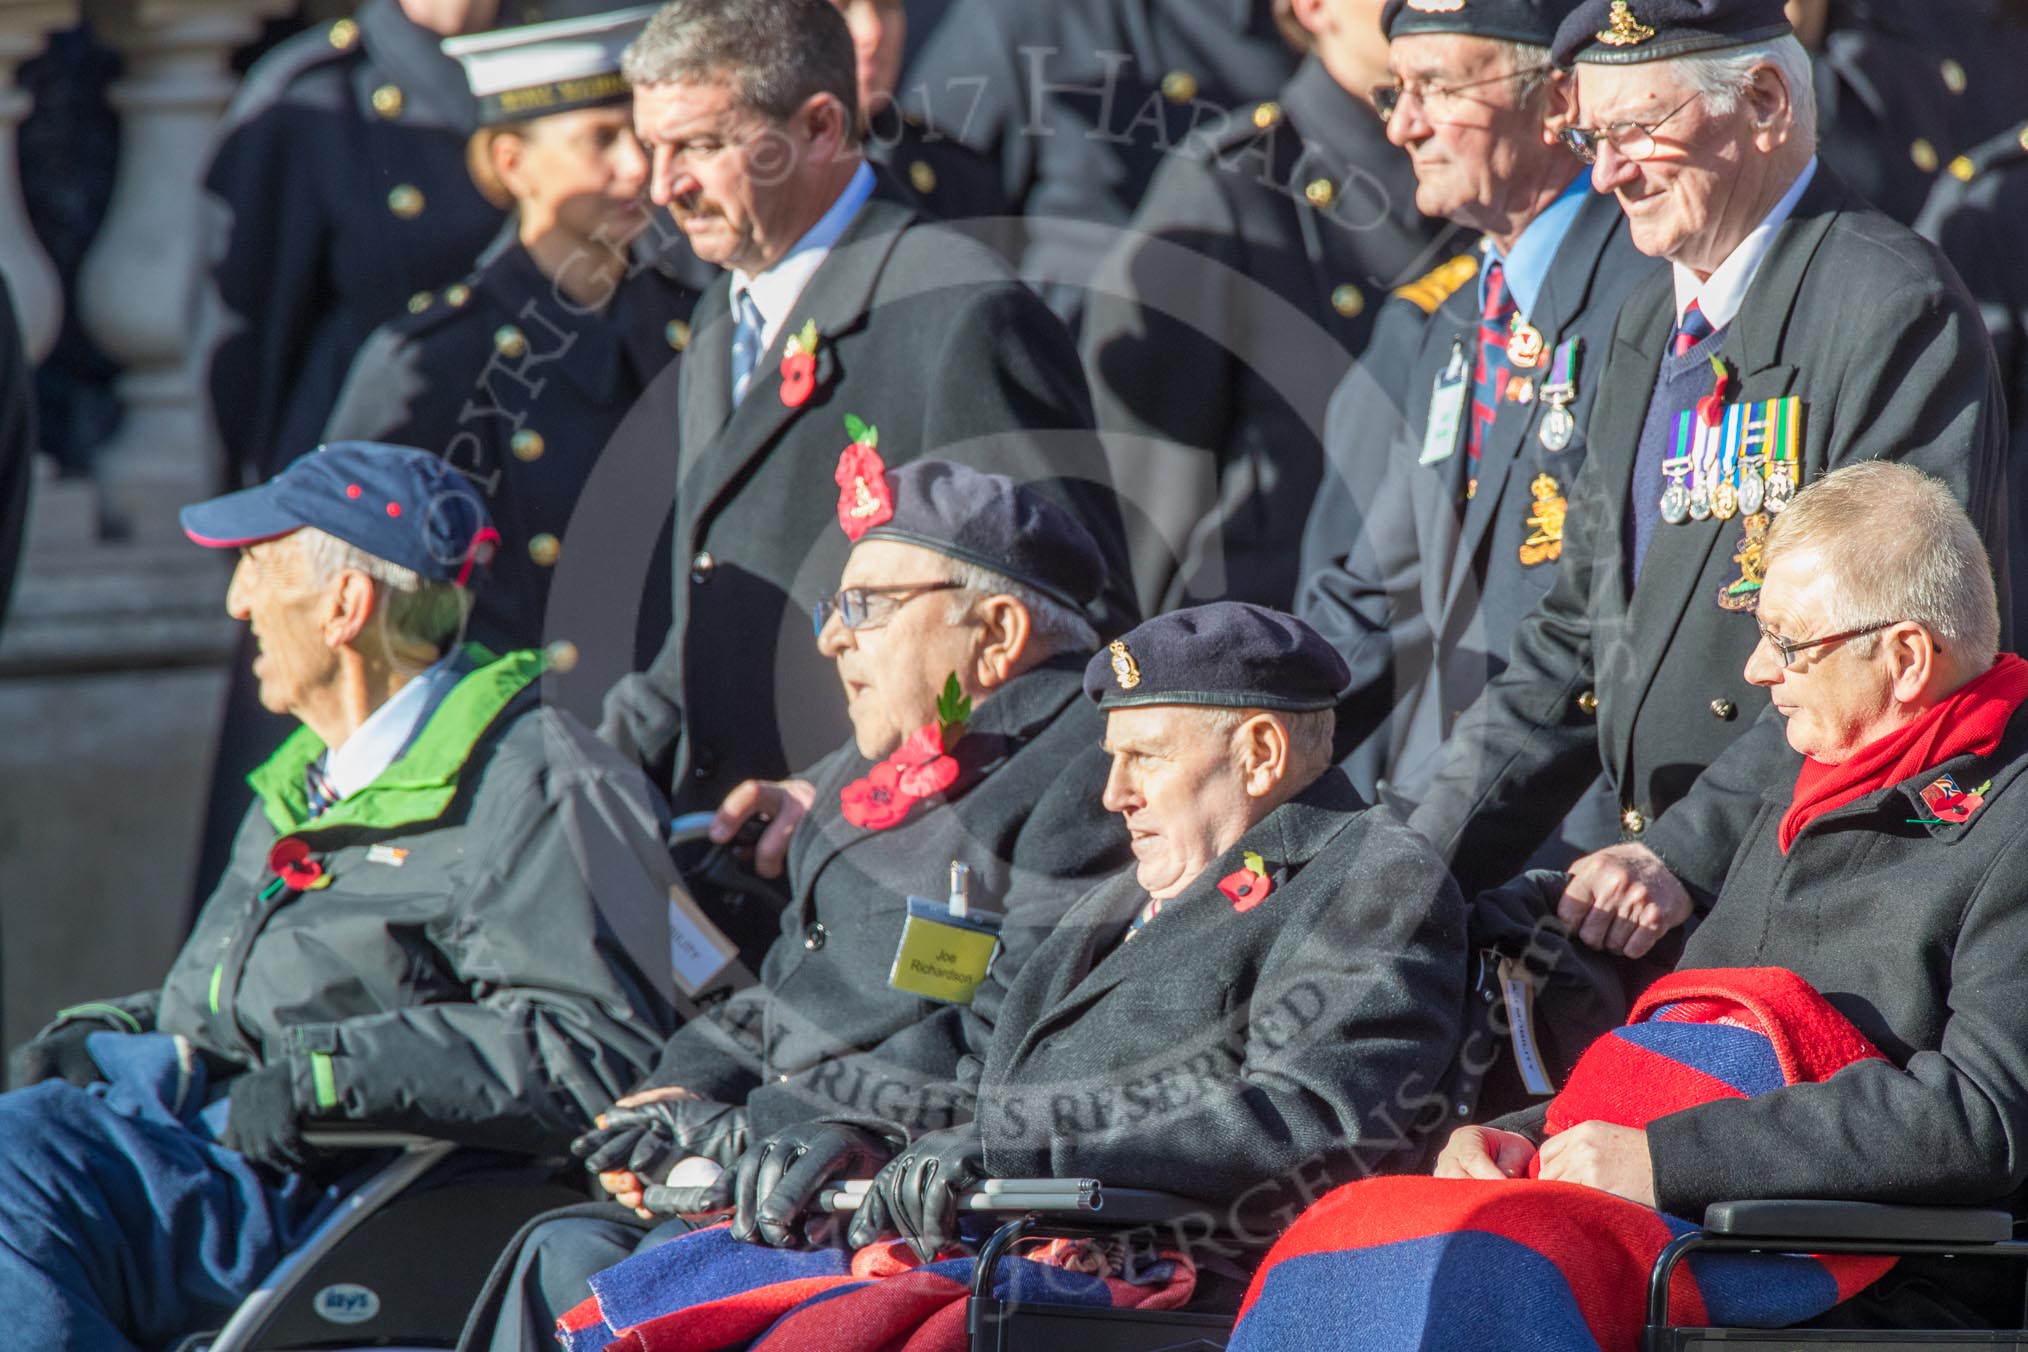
(1248, 281)
(1079, 101)
(1641, 671)
(340, 189)
(945, 178)
(17, 444)
(519, 388)
(1975, 216)
(1419, 562)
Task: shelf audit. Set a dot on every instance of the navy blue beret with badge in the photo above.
(395, 502)
(1531, 21)
(1629, 32)
(994, 522)
(1226, 655)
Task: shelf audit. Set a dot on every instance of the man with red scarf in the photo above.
(1890, 876)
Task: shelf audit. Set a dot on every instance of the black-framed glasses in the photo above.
(1789, 649)
(871, 607)
(1634, 140)
(1434, 95)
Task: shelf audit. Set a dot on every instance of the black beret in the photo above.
(1531, 21)
(1229, 655)
(993, 522)
(1628, 32)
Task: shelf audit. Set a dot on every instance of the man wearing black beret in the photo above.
(958, 637)
(1269, 1001)
(1796, 330)
(1455, 444)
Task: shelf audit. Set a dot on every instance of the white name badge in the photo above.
(698, 951)
(1446, 410)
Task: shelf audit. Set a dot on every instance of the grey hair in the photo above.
(1899, 547)
(1524, 56)
(775, 54)
(1310, 733)
(1720, 77)
(416, 610)
(1057, 627)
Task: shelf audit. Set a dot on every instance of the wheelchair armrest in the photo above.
(1872, 1222)
(336, 1136)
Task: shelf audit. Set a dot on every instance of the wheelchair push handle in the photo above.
(997, 1195)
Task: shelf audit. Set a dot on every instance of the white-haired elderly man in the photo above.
(446, 912)
(1887, 873)
(1796, 330)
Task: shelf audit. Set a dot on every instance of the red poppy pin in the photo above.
(1711, 407)
(799, 365)
(291, 861)
(1247, 887)
(1949, 803)
(922, 768)
(863, 498)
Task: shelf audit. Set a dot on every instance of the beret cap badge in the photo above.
(1125, 670)
(1624, 30)
(1436, 6)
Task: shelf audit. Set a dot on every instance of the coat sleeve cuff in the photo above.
(313, 1059)
(1689, 1170)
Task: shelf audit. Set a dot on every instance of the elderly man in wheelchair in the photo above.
(1270, 1001)
(446, 913)
(1838, 1070)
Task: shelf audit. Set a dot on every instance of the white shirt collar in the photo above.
(775, 291)
(1719, 296)
(375, 744)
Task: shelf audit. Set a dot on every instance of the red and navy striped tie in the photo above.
(1489, 379)
(1694, 329)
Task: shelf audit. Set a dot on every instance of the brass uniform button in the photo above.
(406, 201)
(1954, 76)
(1632, 822)
(2023, 137)
(678, 334)
(1962, 168)
(456, 294)
(1265, 115)
(922, 178)
(1725, 709)
(343, 34)
(1321, 192)
(1348, 300)
(544, 548)
(527, 445)
(509, 341)
(1924, 154)
(387, 100)
(1471, 488)
(1588, 702)
(1179, 86)
(702, 567)
(560, 655)
(419, 302)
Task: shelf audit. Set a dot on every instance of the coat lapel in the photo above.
(836, 300)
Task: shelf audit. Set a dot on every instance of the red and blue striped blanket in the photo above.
(1426, 1264)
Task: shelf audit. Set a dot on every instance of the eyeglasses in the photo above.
(1634, 140)
(1435, 96)
(871, 607)
(1789, 649)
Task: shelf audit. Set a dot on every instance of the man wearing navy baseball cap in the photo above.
(446, 912)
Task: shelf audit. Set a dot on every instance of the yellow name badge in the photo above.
(941, 957)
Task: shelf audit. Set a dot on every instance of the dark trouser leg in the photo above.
(543, 1273)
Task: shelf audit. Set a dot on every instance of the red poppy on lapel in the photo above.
(1711, 407)
(920, 768)
(1247, 887)
(1951, 803)
(291, 861)
(799, 366)
(863, 497)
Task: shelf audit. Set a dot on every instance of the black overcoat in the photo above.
(1249, 279)
(1220, 1051)
(337, 190)
(1868, 325)
(1415, 572)
(823, 1035)
(925, 336)
(518, 386)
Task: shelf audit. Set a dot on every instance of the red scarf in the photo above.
(1967, 722)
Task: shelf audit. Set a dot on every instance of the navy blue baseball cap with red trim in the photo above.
(395, 502)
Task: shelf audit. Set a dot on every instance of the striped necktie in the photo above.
(1489, 379)
(746, 345)
(317, 787)
(1146, 914)
(1694, 329)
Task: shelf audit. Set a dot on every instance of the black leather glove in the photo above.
(916, 1195)
(708, 1201)
(59, 1054)
(779, 1178)
(262, 1124)
(648, 1140)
